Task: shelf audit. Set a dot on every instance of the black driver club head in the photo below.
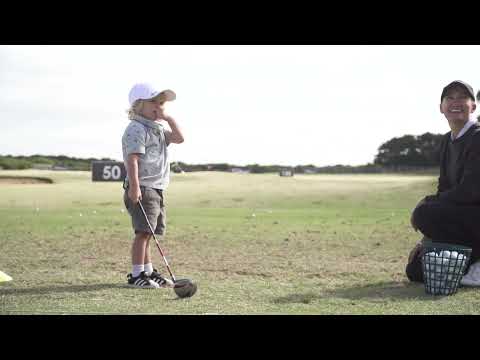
(185, 288)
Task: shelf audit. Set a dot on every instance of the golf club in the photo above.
(182, 287)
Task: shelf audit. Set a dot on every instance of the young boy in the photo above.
(145, 155)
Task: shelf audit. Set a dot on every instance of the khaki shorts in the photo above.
(152, 201)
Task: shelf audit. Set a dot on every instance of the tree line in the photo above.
(405, 153)
(9, 162)
(410, 150)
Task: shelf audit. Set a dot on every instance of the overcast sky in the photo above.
(287, 105)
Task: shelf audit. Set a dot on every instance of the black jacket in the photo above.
(467, 190)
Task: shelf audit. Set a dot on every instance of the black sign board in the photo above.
(108, 171)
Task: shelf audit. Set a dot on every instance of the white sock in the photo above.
(148, 268)
(137, 269)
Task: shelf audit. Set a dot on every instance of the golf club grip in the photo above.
(156, 242)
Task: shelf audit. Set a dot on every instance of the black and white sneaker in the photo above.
(160, 280)
(142, 281)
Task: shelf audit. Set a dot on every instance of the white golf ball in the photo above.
(430, 258)
(454, 254)
(444, 254)
(444, 291)
(81, 215)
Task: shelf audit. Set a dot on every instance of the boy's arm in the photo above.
(134, 192)
(176, 135)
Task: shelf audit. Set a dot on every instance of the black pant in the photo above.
(450, 223)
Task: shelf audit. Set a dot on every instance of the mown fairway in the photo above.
(255, 244)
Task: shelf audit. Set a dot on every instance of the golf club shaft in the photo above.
(156, 242)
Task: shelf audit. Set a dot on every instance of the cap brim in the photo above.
(166, 95)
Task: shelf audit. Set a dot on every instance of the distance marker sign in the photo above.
(108, 171)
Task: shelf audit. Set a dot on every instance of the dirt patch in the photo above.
(24, 180)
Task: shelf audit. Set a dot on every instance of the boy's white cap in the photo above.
(146, 91)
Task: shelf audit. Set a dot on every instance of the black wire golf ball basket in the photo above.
(443, 267)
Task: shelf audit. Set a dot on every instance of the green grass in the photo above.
(255, 244)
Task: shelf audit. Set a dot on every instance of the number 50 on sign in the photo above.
(108, 171)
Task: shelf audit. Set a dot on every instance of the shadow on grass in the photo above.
(60, 289)
(381, 291)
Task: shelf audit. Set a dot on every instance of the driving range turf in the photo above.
(254, 244)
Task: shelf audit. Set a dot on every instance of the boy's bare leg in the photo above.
(139, 248)
(147, 260)
(148, 257)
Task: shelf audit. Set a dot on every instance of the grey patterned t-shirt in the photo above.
(147, 138)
